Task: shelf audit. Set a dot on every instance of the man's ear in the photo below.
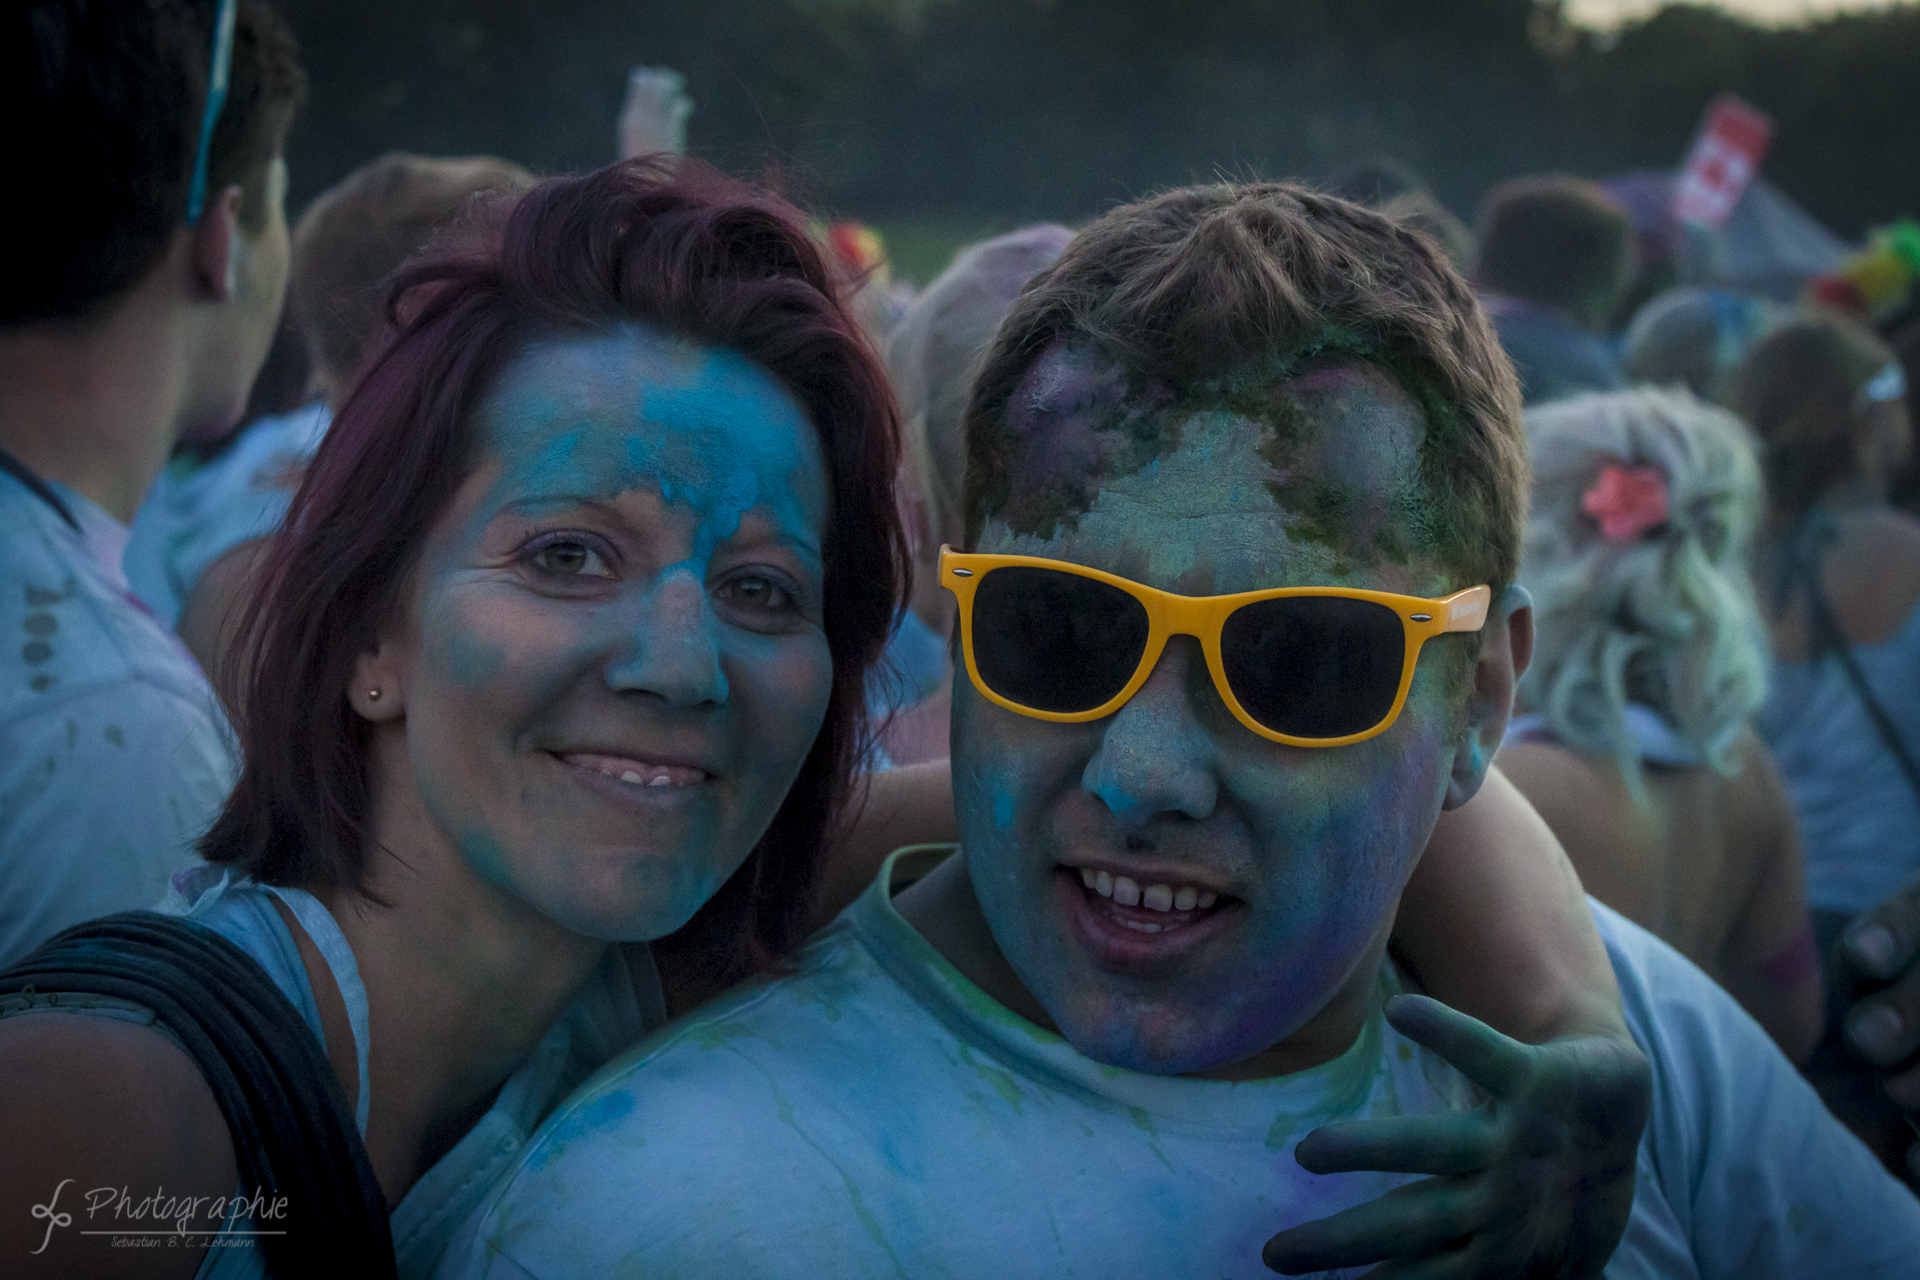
(1506, 647)
(377, 690)
(215, 247)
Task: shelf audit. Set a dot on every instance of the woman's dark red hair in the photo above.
(680, 248)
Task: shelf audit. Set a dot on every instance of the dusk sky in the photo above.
(1607, 13)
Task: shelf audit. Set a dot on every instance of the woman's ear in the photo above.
(376, 690)
(1506, 649)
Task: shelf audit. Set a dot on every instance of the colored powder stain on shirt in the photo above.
(867, 1147)
(602, 1115)
(96, 689)
(864, 1148)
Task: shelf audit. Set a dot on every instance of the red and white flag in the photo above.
(1726, 155)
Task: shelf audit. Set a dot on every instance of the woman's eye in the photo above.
(569, 558)
(758, 592)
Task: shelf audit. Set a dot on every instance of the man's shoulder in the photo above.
(684, 1148)
(769, 1039)
(1742, 1168)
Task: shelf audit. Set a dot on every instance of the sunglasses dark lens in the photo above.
(1055, 641)
(1314, 666)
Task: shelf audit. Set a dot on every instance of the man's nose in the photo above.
(670, 644)
(1156, 756)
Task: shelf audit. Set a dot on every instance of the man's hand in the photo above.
(1538, 1181)
(1882, 950)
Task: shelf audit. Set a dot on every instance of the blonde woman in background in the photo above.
(1651, 657)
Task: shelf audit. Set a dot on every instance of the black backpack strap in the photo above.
(293, 1133)
(37, 487)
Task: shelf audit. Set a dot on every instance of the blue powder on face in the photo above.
(679, 463)
(1003, 809)
(679, 428)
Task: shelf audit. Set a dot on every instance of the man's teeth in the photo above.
(1155, 897)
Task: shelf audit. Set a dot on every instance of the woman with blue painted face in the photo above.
(561, 653)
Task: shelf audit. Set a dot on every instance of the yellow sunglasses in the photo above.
(1307, 666)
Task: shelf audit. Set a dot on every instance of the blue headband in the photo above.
(1889, 384)
(222, 60)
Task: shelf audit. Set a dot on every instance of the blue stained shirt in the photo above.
(874, 1114)
(114, 753)
(200, 509)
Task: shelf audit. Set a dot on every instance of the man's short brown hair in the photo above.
(359, 231)
(1190, 287)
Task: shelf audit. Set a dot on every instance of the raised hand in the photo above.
(1536, 1181)
(654, 116)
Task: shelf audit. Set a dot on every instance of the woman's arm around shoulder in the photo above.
(94, 1107)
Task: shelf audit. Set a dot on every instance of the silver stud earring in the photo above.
(373, 695)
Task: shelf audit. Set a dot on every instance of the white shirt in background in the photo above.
(114, 754)
(200, 509)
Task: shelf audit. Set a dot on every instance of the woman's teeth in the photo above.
(638, 773)
(1155, 897)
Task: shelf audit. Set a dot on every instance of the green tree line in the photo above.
(989, 112)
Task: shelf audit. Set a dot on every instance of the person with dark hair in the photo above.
(141, 301)
(1695, 338)
(552, 696)
(1397, 190)
(1554, 259)
(1839, 578)
(1245, 485)
(1904, 339)
(198, 533)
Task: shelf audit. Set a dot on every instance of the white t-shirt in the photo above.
(876, 1115)
(114, 753)
(200, 509)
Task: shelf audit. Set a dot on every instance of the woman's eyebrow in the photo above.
(769, 534)
(548, 504)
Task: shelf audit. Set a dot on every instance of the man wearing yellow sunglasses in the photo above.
(1235, 624)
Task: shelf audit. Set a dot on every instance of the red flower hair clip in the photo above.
(1627, 501)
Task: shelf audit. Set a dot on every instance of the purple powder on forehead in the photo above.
(1341, 377)
(1075, 422)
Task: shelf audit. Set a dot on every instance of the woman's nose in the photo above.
(1156, 756)
(671, 645)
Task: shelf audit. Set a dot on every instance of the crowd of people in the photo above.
(569, 727)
